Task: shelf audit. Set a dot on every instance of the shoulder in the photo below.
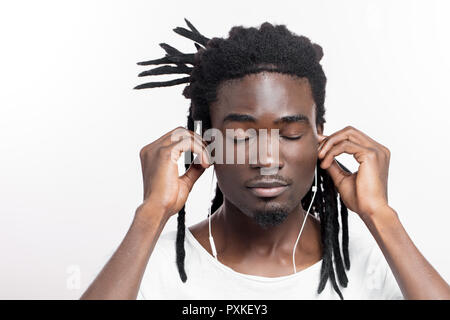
(363, 249)
(161, 258)
(368, 263)
(166, 242)
(168, 236)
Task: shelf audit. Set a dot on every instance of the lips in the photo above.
(268, 192)
(267, 188)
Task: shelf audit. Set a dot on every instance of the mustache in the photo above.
(268, 179)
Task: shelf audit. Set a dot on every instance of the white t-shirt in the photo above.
(369, 276)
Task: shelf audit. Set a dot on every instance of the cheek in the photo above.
(302, 155)
(228, 179)
(301, 161)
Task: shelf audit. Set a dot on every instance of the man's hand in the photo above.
(365, 191)
(163, 187)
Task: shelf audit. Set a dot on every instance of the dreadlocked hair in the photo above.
(271, 48)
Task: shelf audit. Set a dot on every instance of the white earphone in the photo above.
(314, 189)
(211, 240)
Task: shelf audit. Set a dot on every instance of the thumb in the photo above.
(336, 173)
(192, 174)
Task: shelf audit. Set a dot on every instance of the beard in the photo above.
(272, 215)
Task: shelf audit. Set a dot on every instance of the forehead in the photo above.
(265, 94)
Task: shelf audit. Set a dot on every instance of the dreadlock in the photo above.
(270, 48)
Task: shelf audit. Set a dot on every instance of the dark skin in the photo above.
(241, 243)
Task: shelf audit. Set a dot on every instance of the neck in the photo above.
(239, 233)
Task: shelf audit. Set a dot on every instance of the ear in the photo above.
(320, 129)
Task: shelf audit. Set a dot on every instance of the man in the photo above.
(269, 79)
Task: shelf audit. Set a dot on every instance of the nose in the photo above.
(268, 157)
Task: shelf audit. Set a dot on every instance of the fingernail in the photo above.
(321, 141)
(320, 146)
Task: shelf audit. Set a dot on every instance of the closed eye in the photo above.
(242, 139)
(291, 138)
(248, 138)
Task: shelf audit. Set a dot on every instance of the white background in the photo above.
(71, 126)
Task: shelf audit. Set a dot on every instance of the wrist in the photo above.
(382, 218)
(149, 213)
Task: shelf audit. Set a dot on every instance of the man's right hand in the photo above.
(163, 187)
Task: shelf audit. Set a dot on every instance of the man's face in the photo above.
(268, 101)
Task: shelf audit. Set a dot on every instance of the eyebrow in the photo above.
(237, 117)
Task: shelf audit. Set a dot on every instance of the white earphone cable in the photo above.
(211, 240)
(314, 189)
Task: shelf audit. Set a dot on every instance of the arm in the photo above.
(365, 192)
(120, 278)
(165, 193)
(415, 276)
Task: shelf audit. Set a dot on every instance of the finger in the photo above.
(363, 138)
(321, 141)
(190, 144)
(192, 174)
(348, 133)
(336, 173)
(344, 146)
(337, 138)
(180, 133)
(163, 138)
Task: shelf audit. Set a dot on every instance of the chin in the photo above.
(271, 214)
